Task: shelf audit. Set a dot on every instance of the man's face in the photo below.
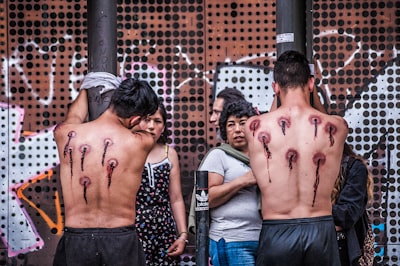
(216, 111)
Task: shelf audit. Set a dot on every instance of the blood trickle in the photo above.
(265, 138)
(71, 161)
(84, 149)
(315, 120)
(331, 130)
(254, 125)
(85, 182)
(291, 156)
(318, 160)
(107, 142)
(111, 165)
(70, 135)
(284, 123)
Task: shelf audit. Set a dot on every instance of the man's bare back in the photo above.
(295, 156)
(295, 150)
(100, 172)
(101, 161)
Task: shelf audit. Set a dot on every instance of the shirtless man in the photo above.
(101, 164)
(295, 153)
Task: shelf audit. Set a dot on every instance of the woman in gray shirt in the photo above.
(235, 220)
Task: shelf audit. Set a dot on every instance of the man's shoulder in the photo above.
(254, 121)
(64, 128)
(140, 136)
(337, 120)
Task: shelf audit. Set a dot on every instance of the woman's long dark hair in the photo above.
(163, 139)
(348, 152)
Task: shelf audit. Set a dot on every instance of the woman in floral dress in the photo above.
(160, 209)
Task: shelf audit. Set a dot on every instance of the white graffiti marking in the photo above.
(23, 158)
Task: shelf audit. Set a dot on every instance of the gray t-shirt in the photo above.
(239, 218)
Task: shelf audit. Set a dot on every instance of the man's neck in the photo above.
(295, 97)
(110, 116)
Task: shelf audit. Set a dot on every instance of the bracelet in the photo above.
(186, 241)
(181, 233)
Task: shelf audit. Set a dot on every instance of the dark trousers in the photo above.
(99, 246)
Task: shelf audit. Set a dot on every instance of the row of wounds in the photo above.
(263, 137)
(84, 150)
(292, 154)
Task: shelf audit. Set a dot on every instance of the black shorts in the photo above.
(99, 246)
(304, 241)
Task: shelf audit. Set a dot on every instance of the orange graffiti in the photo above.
(57, 225)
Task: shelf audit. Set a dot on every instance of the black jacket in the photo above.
(349, 212)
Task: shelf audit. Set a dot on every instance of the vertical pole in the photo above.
(309, 46)
(102, 49)
(102, 36)
(202, 218)
(309, 32)
(290, 26)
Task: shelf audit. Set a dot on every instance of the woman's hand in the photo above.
(177, 247)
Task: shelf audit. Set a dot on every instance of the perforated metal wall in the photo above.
(184, 48)
(357, 46)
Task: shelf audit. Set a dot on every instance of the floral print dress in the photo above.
(155, 224)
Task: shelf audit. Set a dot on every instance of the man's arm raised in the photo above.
(78, 110)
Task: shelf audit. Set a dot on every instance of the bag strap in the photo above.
(230, 151)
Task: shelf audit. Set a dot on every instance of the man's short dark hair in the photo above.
(230, 95)
(238, 109)
(291, 70)
(134, 97)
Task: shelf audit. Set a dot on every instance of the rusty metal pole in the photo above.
(102, 49)
(309, 31)
(294, 29)
(290, 26)
(309, 44)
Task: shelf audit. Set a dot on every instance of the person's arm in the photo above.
(78, 110)
(351, 202)
(317, 101)
(177, 205)
(220, 192)
(274, 104)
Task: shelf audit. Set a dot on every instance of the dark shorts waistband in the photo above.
(115, 230)
(327, 218)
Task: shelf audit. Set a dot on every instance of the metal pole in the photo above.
(202, 218)
(292, 32)
(309, 31)
(309, 44)
(102, 49)
(290, 26)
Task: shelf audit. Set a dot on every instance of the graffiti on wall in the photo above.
(27, 158)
